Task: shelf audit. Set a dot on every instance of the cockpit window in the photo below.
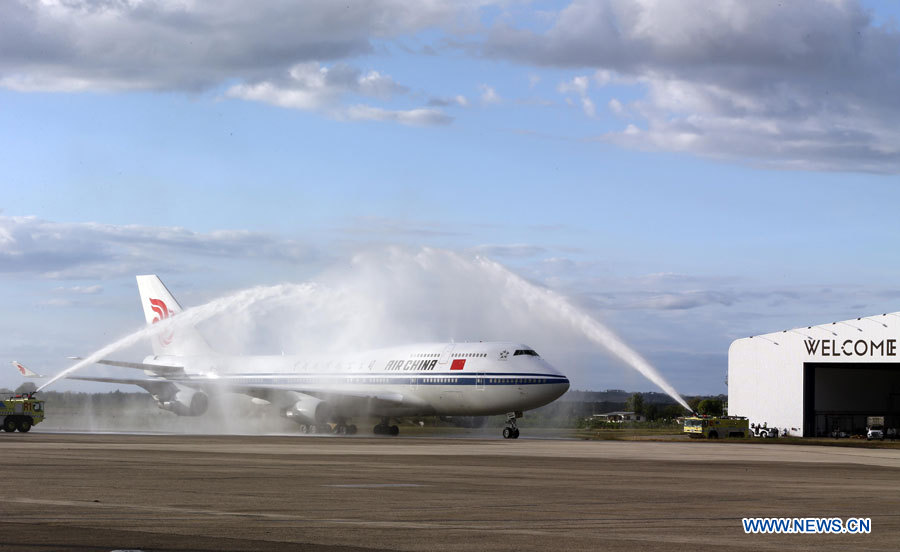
(528, 352)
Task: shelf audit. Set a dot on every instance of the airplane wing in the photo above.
(157, 368)
(154, 387)
(161, 370)
(173, 375)
(269, 391)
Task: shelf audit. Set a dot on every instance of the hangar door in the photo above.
(839, 396)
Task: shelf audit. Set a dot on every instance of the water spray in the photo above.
(391, 297)
(189, 317)
(591, 328)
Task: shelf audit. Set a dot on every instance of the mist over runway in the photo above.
(284, 493)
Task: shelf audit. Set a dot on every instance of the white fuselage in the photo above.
(449, 379)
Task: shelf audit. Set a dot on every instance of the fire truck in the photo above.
(21, 412)
(716, 427)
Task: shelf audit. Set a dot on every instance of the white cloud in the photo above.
(810, 85)
(458, 100)
(270, 93)
(489, 95)
(579, 85)
(273, 51)
(588, 106)
(47, 83)
(781, 130)
(603, 77)
(413, 117)
(175, 45)
(91, 250)
(377, 85)
(682, 300)
(616, 106)
(313, 87)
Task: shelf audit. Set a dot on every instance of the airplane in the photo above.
(322, 393)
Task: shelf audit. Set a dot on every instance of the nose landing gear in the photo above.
(511, 431)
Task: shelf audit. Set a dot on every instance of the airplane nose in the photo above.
(557, 390)
(562, 378)
(560, 382)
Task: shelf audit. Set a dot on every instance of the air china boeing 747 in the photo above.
(325, 392)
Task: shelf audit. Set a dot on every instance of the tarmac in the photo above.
(80, 492)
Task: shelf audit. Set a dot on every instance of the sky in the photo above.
(689, 173)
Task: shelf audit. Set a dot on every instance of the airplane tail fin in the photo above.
(159, 304)
(25, 371)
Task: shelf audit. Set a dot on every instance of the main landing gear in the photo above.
(511, 431)
(342, 428)
(337, 429)
(384, 428)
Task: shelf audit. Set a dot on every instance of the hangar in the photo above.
(817, 379)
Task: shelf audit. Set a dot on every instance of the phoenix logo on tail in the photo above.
(162, 311)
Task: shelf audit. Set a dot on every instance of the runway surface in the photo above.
(150, 492)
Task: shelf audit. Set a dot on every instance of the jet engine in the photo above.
(309, 410)
(186, 402)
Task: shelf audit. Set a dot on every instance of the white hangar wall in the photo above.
(818, 377)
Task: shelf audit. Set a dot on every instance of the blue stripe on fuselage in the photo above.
(501, 378)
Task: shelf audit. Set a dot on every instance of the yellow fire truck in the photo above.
(21, 412)
(715, 427)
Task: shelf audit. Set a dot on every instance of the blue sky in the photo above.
(690, 173)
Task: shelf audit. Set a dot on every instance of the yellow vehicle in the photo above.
(21, 412)
(715, 427)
